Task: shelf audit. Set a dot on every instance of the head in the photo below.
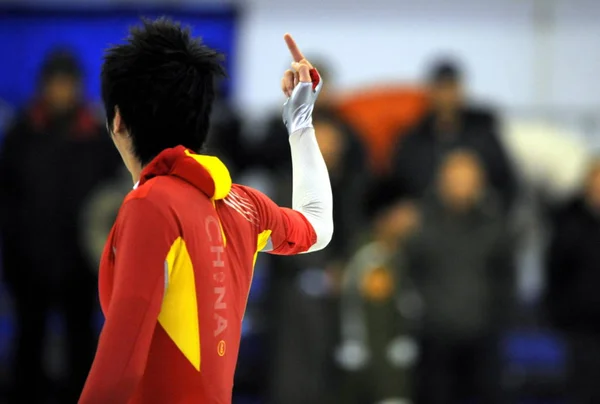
(331, 142)
(592, 186)
(445, 87)
(60, 81)
(324, 69)
(393, 223)
(158, 90)
(461, 180)
(392, 217)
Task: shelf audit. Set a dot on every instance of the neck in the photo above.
(135, 175)
(459, 207)
(447, 121)
(135, 169)
(389, 243)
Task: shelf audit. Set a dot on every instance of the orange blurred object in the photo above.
(380, 114)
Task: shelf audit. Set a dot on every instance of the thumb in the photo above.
(303, 72)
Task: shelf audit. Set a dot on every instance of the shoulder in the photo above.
(16, 127)
(429, 208)
(238, 189)
(481, 115)
(424, 123)
(150, 190)
(157, 193)
(249, 202)
(571, 213)
(246, 194)
(430, 219)
(417, 134)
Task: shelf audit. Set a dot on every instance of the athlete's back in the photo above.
(177, 267)
(210, 232)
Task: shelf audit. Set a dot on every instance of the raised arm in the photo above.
(311, 187)
(308, 226)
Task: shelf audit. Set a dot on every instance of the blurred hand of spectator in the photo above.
(394, 401)
(352, 355)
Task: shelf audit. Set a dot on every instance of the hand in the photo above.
(300, 72)
(352, 356)
(302, 86)
(394, 401)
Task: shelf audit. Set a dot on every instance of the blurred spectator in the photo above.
(53, 155)
(6, 112)
(461, 264)
(450, 124)
(552, 163)
(305, 287)
(377, 351)
(225, 138)
(100, 212)
(573, 301)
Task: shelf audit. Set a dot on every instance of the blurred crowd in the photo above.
(415, 299)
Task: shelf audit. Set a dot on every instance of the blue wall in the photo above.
(27, 34)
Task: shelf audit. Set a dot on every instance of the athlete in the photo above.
(177, 267)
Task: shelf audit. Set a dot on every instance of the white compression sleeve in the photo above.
(311, 188)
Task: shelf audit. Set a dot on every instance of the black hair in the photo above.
(445, 71)
(321, 64)
(60, 62)
(163, 82)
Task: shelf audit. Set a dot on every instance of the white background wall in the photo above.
(511, 60)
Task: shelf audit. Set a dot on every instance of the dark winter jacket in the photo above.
(421, 151)
(48, 165)
(573, 269)
(462, 267)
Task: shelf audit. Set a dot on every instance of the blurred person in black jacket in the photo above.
(450, 124)
(461, 263)
(572, 300)
(226, 137)
(305, 287)
(53, 155)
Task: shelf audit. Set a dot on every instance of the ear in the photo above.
(118, 127)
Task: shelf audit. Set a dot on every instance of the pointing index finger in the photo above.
(291, 44)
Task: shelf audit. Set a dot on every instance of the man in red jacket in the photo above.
(177, 267)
